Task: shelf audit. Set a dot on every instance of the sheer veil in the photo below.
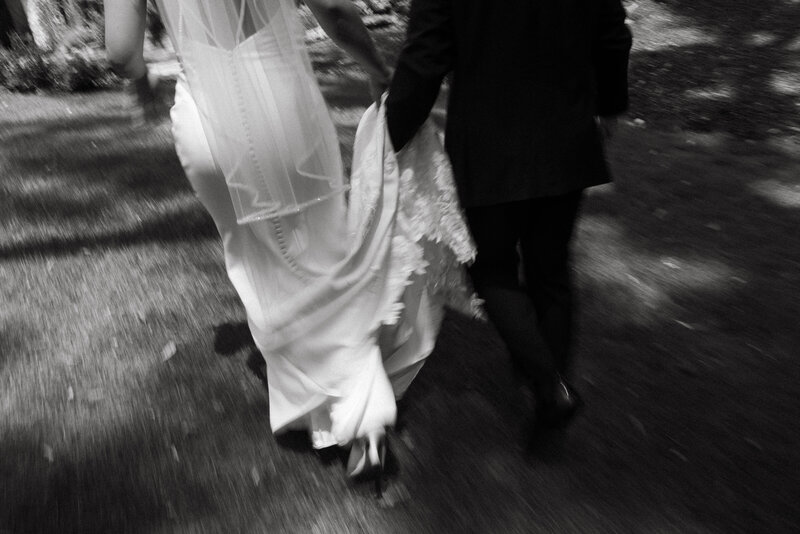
(266, 122)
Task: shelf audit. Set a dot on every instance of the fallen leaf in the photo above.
(633, 279)
(679, 455)
(638, 424)
(661, 213)
(754, 443)
(395, 494)
(70, 394)
(171, 511)
(405, 437)
(47, 451)
(255, 476)
(175, 453)
(186, 428)
(169, 350)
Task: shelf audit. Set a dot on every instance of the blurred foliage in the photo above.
(399, 7)
(70, 23)
(155, 26)
(24, 67)
(65, 51)
(80, 69)
(66, 23)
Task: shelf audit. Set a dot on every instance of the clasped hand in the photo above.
(147, 106)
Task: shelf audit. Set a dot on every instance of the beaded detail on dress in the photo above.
(267, 124)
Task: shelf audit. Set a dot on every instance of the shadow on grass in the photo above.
(179, 225)
(689, 277)
(717, 65)
(229, 338)
(92, 181)
(184, 446)
(77, 175)
(16, 336)
(114, 487)
(83, 168)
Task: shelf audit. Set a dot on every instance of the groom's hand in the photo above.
(147, 106)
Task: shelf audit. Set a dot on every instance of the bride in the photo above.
(343, 281)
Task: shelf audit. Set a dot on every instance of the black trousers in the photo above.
(534, 315)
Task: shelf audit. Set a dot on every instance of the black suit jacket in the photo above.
(528, 79)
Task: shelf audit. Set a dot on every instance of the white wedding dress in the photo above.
(343, 282)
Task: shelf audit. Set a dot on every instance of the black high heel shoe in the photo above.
(367, 460)
(557, 409)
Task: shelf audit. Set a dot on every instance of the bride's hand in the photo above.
(377, 87)
(379, 83)
(145, 102)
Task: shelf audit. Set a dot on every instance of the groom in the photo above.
(535, 84)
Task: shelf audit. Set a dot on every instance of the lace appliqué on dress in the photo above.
(431, 237)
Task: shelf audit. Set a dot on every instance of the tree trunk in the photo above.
(46, 21)
(6, 27)
(12, 20)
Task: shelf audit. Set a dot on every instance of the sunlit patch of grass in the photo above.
(660, 27)
(783, 195)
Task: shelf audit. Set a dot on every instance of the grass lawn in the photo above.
(125, 406)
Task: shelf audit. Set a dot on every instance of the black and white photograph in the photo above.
(400, 266)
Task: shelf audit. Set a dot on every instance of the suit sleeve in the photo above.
(427, 56)
(612, 46)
